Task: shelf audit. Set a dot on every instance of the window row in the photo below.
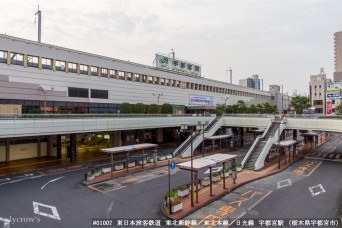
(84, 93)
(64, 66)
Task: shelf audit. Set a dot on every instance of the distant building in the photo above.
(317, 91)
(252, 82)
(338, 56)
(279, 99)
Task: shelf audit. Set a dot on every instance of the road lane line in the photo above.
(52, 181)
(314, 168)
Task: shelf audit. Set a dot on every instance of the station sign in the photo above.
(178, 65)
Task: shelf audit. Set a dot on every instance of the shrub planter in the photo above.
(118, 166)
(131, 164)
(172, 195)
(140, 162)
(169, 156)
(198, 186)
(238, 169)
(226, 172)
(161, 157)
(183, 191)
(90, 176)
(216, 177)
(150, 160)
(106, 170)
(205, 181)
(97, 173)
(176, 206)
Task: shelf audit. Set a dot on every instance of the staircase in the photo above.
(184, 150)
(256, 155)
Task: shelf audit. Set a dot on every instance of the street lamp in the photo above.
(118, 113)
(45, 91)
(184, 128)
(202, 128)
(225, 100)
(158, 95)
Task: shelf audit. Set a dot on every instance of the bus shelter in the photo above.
(282, 145)
(137, 148)
(205, 162)
(219, 137)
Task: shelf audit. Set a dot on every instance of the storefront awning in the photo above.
(219, 137)
(136, 147)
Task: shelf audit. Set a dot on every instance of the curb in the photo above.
(225, 193)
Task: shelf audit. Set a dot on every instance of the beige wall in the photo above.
(8, 109)
(22, 151)
(2, 153)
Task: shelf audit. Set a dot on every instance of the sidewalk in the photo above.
(243, 177)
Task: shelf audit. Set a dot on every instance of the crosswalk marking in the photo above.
(315, 193)
(54, 211)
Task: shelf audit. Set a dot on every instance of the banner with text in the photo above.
(201, 100)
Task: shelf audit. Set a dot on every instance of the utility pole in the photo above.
(39, 13)
(157, 95)
(45, 91)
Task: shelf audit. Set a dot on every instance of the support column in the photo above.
(211, 181)
(224, 178)
(7, 150)
(39, 148)
(59, 146)
(49, 145)
(116, 139)
(241, 139)
(160, 135)
(73, 148)
(294, 137)
(196, 180)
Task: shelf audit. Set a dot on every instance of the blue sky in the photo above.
(284, 41)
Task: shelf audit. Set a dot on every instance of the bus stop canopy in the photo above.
(285, 143)
(206, 162)
(218, 137)
(123, 149)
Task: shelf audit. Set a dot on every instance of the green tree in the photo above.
(241, 107)
(139, 108)
(126, 108)
(152, 108)
(338, 109)
(166, 108)
(259, 108)
(252, 109)
(299, 103)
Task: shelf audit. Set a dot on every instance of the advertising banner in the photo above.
(177, 65)
(201, 100)
(329, 107)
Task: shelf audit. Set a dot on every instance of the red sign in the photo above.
(328, 107)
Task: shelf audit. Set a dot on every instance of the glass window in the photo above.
(94, 71)
(78, 92)
(3, 56)
(157, 80)
(137, 77)
(129, 76)
(101, 94)
(17, 59)
(112, 73)
(144, 78)
(32, 61)
(84, 69)
(162, 81)
(47, 63)
(104, 72)
(72, 67)
(60, 65)
(150, 79)
(121, 75)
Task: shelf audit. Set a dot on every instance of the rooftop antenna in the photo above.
(231, 75)
(173, 54)
(39, 13)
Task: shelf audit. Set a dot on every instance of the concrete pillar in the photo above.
(7, 150)
(116, 138)
(241, 141)
(73, 148)
(39, 147)
(294, 136)
(160, 135)
(49, 145)
(59, 146)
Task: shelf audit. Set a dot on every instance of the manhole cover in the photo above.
(252, 212)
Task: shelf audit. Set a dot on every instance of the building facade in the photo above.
(252, 82)
(317, 91)
(58, 80)
(338, 56)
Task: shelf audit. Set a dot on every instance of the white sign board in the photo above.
(201, 100)
(178, 65)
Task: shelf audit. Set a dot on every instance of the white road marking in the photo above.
(320, 190)
(10, 182)
(51, 181)
(5, 179)
(6, 222)
(109, 209)
(25, 175)
(284, 183)
(337, 156)
(54, 211)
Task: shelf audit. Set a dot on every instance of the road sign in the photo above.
(172, 165)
